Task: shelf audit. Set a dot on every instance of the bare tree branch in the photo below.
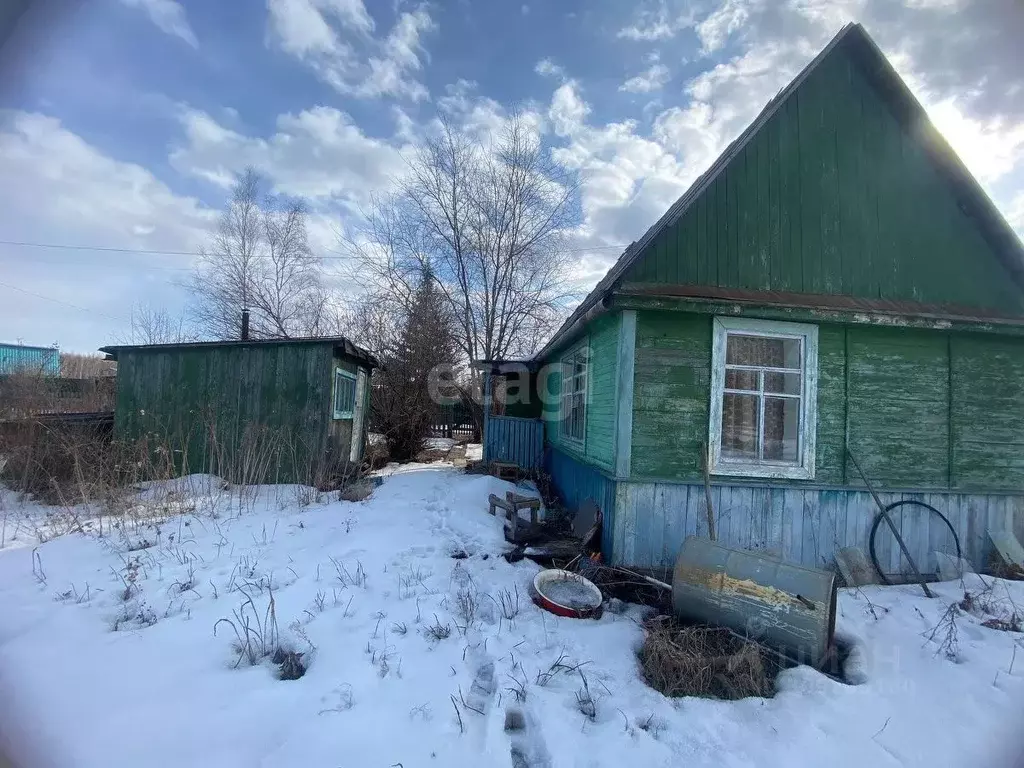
(259, 260)
(487, 218)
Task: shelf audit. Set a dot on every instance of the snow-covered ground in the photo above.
(368, 592)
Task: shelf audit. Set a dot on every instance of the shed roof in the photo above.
(342, 346)
(908, 110)
(29, 347)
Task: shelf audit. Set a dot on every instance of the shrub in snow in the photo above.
(256, 633)
(134, 616)
(437, 630)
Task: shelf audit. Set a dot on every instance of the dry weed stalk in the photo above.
(704, 661)
(256, 638)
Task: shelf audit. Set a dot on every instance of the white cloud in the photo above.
(567, 109)
(169, 16)
(90, 198)
(650, 80)
(729, 17)
(548, 68)
(659, 21)
(401, 55)
(335, 39)
(318, 154)
(302, 30)
(658, 29)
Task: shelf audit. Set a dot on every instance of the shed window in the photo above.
(344, 393)
(763, 401)
(573, 410)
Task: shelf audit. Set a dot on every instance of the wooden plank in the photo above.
(1017, 504)
(665, 495)
(974, 540)
(897, 562)
(811, 518)
(939, 539)
(775, 541)
(826, 536)
(695, 513)
(645, 523)
(624, 392)
(625, 519)
(761, 520)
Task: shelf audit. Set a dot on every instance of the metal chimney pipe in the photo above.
(245, 325)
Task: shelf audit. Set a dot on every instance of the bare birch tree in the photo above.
(487, 218)
(148, 324)
(259, 260)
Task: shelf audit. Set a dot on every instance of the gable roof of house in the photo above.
(972, 198)
(342, 346)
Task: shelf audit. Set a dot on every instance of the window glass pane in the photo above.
(784, 383)
(741, 380)
(344, 393)
(781, 429)
(573, 394)
(739, 426)
(762, 351)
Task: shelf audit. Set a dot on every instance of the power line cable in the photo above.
(154, 252)
(60, 301)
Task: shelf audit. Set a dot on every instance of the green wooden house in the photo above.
(836, 278)
(278, 410)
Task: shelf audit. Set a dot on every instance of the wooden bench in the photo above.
(515, 528)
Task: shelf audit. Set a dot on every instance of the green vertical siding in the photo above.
(671, 394)
(899, 406)
(923, 409)
(195, 398)
(604, 344)
(830, 442)
(987, 379)
(833, 196)
(599, 446)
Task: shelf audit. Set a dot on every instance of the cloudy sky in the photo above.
(123, 121)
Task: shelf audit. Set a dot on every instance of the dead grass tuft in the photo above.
(700, 660)
(438, 631)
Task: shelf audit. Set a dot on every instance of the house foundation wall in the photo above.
(802, 525)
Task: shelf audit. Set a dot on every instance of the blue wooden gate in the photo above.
(515, 440)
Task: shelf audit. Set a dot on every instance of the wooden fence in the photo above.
(515, 440)
(452, 420)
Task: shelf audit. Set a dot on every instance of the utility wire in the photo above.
(59, 301)
(152, 252)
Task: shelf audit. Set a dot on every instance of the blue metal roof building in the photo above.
(17, 358)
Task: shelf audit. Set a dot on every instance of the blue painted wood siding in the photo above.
(576, 482)
(520, 441)
(15, 358)
(803, 526)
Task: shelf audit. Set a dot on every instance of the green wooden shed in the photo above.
(275, 410)
(836, 278)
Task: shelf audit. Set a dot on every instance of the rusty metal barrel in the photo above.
(784, 606)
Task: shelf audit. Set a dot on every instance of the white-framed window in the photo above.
(573, 402)
(764, 384)
(344, 393)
